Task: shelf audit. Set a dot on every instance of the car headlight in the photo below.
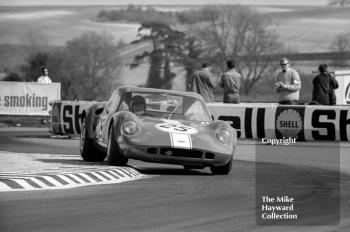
(223, 135)
(130, 128)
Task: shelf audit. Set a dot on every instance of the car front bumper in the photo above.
(171, 155)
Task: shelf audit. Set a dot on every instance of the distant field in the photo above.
(57, 24)
(312, 30)
(301, 28)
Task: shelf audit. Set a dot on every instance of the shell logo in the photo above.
(289, 123)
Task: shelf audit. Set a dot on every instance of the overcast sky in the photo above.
(158, 2)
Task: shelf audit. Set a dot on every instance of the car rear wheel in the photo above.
(222, 170)
(88, 151)
(115, 157)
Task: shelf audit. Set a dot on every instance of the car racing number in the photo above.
(175, 128)
(71, 119)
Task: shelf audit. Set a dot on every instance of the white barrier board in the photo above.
(27, 98)
(303, 122)
(252, 121)
(343, 92)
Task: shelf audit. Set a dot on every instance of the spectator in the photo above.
(44, 78)
(288, 84)
(231, 83)
(323, 87)
(203, 83)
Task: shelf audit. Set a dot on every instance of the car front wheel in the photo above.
(222, 170)
(88, 151)
(115, 157)
(189, 167)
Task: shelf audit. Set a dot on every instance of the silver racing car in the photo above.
(155, 125)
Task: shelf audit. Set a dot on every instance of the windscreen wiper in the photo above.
(172, 113)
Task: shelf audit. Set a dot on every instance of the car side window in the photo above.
(123, 106)
(112, 102)
(124, 103)
(115, 102)
(195, 112)
(108, 107)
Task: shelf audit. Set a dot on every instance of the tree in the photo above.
(88, 67)
(93, 65)
(191, 57)
(166, 44)
(54, 60)
(237, 32)
(138, 14)
(341, 3)
(13, 76)
(35, 62)
(341, 44)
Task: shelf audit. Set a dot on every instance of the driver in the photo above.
(138, 105)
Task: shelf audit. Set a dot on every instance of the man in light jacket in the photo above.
(44, 78)
(288, 84)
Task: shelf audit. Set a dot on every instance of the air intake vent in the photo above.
(152, 150)
(181, 152)
(209, 155)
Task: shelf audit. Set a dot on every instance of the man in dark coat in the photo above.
(203, 82)
(231, 83)
(323, 87)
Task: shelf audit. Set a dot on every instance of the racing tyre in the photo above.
(115, 157)
(222, 170)
(88, 151)
(188, 167)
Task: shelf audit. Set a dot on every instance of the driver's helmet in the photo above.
(138, 105)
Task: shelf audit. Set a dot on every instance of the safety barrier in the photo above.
(303, 122)
(65, 116)
(252, 121)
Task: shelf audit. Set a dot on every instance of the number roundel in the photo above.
(174, 128)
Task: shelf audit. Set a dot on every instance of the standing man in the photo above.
(288, 84)
(203, 83)
(44, 78)
(323, 87)
(231, 83)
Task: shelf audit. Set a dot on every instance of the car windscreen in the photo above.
(165, 105)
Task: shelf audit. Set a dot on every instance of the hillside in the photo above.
(300, 26)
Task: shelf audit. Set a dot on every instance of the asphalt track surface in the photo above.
(174, 199)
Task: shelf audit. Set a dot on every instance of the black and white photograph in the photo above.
(174, 115)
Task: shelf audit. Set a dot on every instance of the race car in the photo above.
(156, 125)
